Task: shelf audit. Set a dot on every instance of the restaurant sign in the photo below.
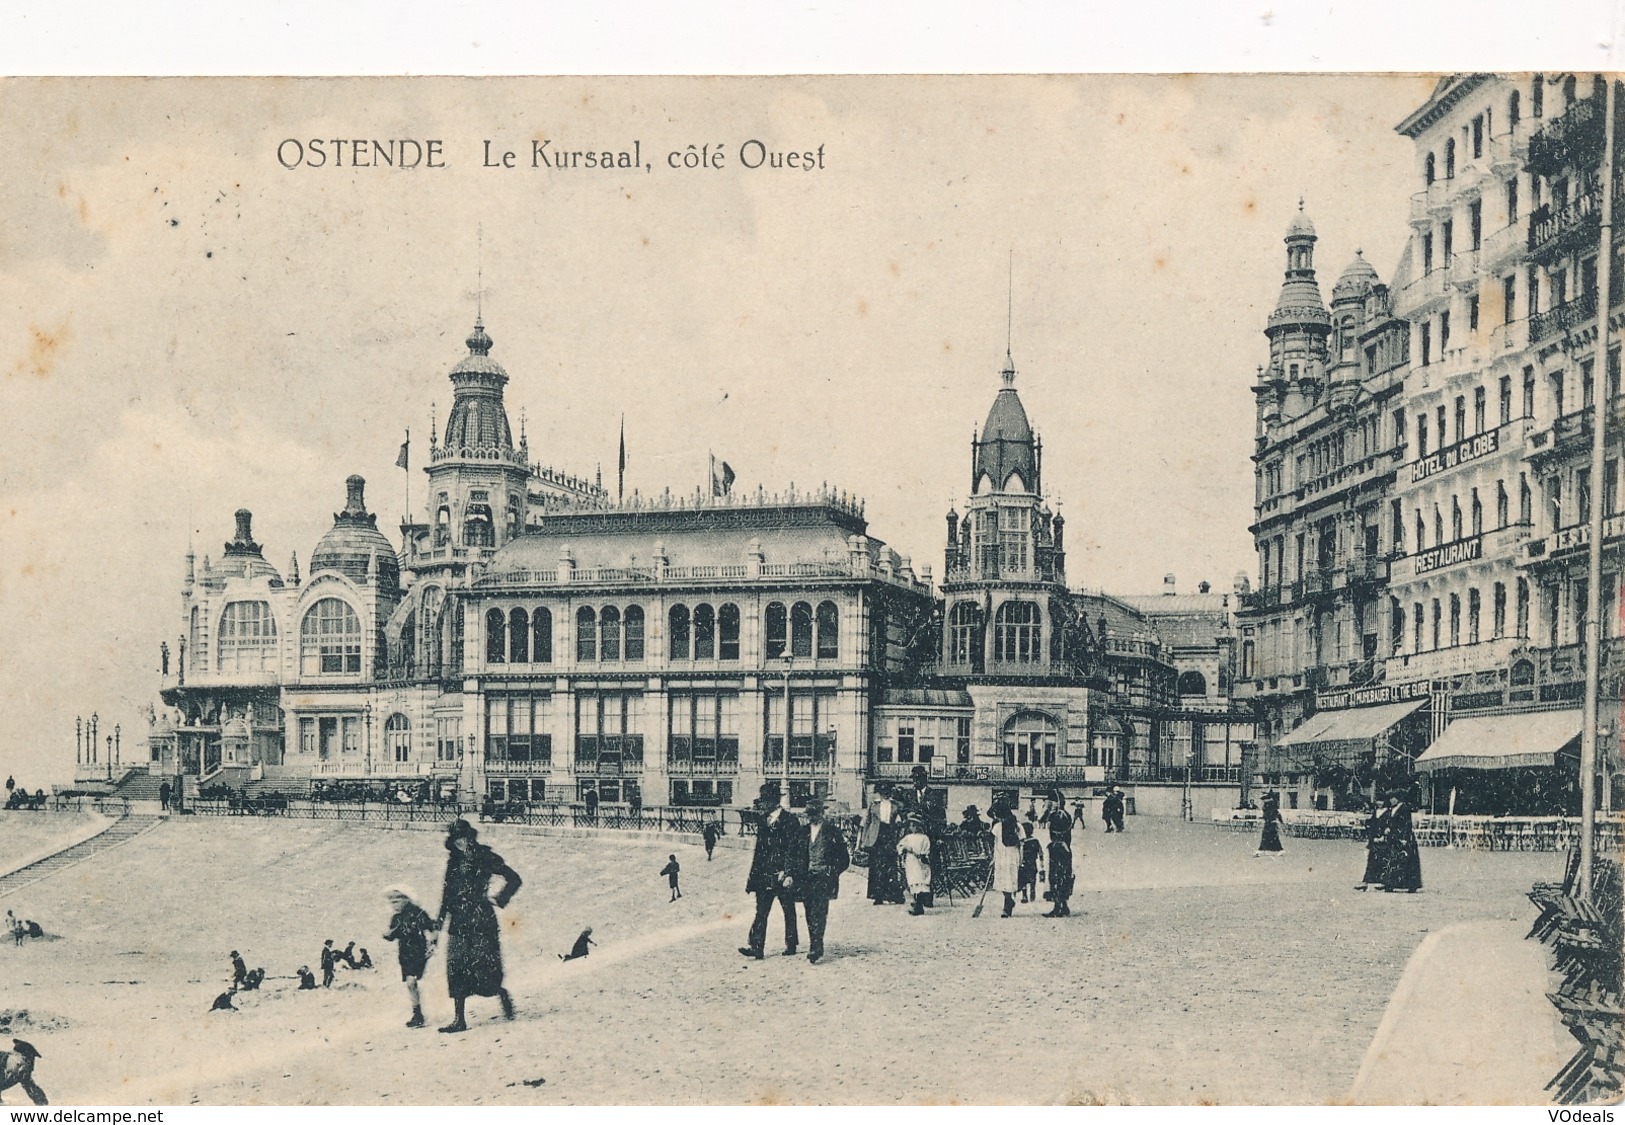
(1462, 550)
(1377, 693)
(1469, 449)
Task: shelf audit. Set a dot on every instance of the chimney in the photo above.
(245, 522)
(1168, 587)
(1242, 584)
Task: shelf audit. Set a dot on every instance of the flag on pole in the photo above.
(403, 460)
(620, 480)
(722, 477)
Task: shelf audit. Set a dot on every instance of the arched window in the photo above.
(1450, 159)
(586, 634)
(609, 629)
(1247, 650)
(728, 632)
(777, 630)
(513, 519)
(192, 638)
(1455, 519)
(705, 632)
(1523, 673)
(829, 631)
(1514, 107)
(246, 641)
(677, 632)
(965, 633)
(518, 637)
(633, 624)
(1017, 633)
(1568, 93)
(398, 738)
(1429, 173)
(541, 635)
(330, 639)
(477, 529)
(801, 630)
(496, 636)
(442, 527)
(1478, 514)
(1029, 738)
(404, 661)
(1192, 683)
(434, 644)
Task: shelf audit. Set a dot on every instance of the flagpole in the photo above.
(1599, 492)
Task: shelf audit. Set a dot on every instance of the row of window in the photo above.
(1018, 633)
(1446, 631)
(1482, 126)
(700, 632)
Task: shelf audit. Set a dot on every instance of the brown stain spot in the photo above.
(1159, 262)
(1250, 206)
(44, 349)
(863, 308)
(947, 345)
(769, 1097)
(646, 240)
(1184, 169)
(894, 269)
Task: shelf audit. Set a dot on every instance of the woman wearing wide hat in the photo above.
(1376, 845)
(468, 913)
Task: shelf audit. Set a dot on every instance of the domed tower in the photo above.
(477, 477)
(1349, 301)
(1299, 326)
(1005, 584)
(355, 547)
(243, 557)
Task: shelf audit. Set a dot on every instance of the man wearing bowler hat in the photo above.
(826, 858)
(775, 870)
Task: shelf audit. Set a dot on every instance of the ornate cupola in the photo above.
(243, 557)
(1006, 457)
(478, 420)
(354, 540)
(1299, 325)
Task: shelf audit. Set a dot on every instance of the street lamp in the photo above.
(784, 795)
(366, 713)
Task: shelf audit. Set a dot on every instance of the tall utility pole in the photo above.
(1599, 413)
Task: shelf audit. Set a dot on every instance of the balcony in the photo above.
(497, 768)
(1557, 232)
(1425, 292)
(358, 766)
(1571, 433)
(1348, 475)
(810, 754)
(1501, 246)
(1483, 656)
(690, 756)
(1578, 312)
(1433, 202)
(1573, 140)
(609, 755)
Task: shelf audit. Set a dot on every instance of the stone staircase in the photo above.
(119, 832)
(140, 787)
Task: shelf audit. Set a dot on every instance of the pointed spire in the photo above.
(293, 568)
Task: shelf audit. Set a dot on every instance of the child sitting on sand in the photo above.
(580, 949)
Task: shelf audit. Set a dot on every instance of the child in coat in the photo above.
(670, 872)
(410, 928)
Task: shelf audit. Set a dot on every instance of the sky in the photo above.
(188, 327)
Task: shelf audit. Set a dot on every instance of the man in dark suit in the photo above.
(775, 869)
(827, 857)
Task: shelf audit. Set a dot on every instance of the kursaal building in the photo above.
(1423, 472)
(532, 638)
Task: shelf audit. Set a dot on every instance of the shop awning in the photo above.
(1357, 724)
(1498, 742)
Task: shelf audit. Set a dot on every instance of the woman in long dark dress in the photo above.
(467, 911)
(1376, 847)
(1403, 867)
(879, 839)
(1059, 825)
(1270, 843)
